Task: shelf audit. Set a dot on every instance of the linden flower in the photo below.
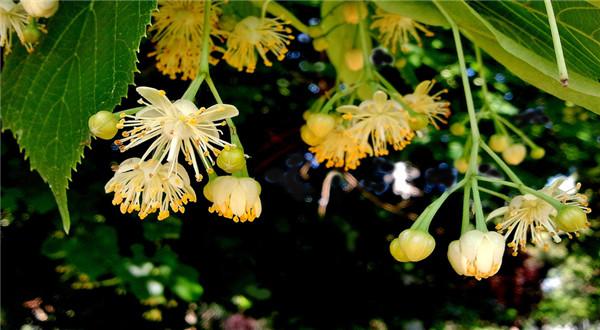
(396, 30)
(178, 26)
(381, 121)
(175, 127)
(13, 18)
(527, 215)
(147, 186)
(477, 254)
(254, 35)
(429, 105)
(234, 198)
(340, 148)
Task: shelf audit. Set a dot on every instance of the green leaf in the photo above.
(517, 34)
(83, 65)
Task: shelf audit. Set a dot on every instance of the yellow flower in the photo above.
(234, 198)
(148, 186)
(477, 254)
(380, 121)
(254, 35)
(177, 29)
(13, 18)
(430, 105)
(174, 128)
(340, 148)
(395, 30)
(527, 215)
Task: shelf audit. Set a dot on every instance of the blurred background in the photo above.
(292, 268)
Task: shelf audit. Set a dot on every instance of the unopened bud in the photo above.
(103, 124)
(354, 59)
(40, 8)
(231, 159)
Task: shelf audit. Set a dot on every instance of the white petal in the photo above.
(218, 112)
(352, 109)
(496, 213)
(156, 98)
(457, 261)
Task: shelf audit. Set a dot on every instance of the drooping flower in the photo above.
(395, 30)
(148, 186)
(40, 8)
(177, 35)
(432, 106)
(477, 254)
(175, 127)
(379, 121)
(529, 216)
(13, 18)
(254, 35)
(340, 148)
(234, 198)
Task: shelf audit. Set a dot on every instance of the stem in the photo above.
(468, 95)
(501, 163)
(466, 208)
(338, 95)
(432, 209)
(479, 217)
(563, 75)
(494, 193)
(523, 188)
(205, 40)
(484, 88)
(516, 130)
(192, 90)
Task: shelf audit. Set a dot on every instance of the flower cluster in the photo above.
(530, 216)
(156, 182)
(177, 34)
(369, 129)
(21, 18)
(395, 30)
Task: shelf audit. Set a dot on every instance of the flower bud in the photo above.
(354, 59)
(537, 153)
(477, 254)
(499, 142)
(461, 165)
(514, 154)
(418, 121)
(416, 244)
(354, 12)
(103, 124)
(571, 219)
(397, 252)
(231, 159)
(309, 137)
(458, 129)
(320, 44)
(320, 124)
(40, 8)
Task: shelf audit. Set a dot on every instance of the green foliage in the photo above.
(83, 65)
(517, 35)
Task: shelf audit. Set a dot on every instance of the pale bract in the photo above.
(174, 128)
